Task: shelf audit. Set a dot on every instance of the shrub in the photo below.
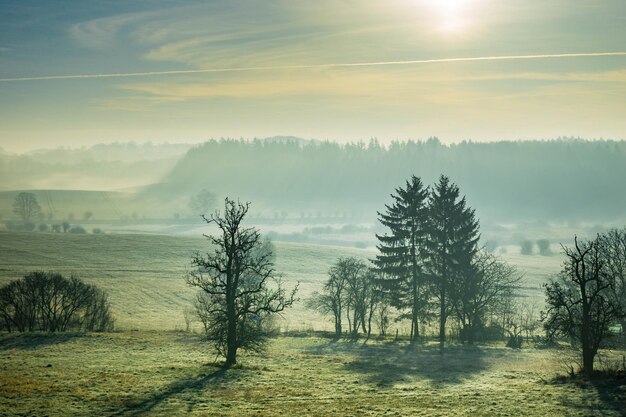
(47, 301)
(43, 227)
(97, 231)
(544, 247)
(526, 247)
(78, 230)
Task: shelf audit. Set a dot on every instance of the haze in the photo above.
(290, 86)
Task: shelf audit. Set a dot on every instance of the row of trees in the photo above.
(429, 267)
(47, 301)
(430, 264)
(352, 292)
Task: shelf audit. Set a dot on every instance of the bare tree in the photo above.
(202, 202)
(481, 292)
(331, 300)
(236, 298)
(48, 301)
(26, 207)
(353, 291)
(613, 252)
(579, 304)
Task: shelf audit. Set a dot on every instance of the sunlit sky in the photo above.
(287, 80)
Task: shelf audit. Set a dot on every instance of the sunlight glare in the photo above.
(451, 14)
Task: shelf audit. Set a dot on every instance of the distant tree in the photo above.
(579, 303)
(201, 203)
(87, 215)
(331, 300)
(236, 299)
(400, 262)
(452, 245)
(26, 207)
(66, 226)
(544, 247)
(526, 247)
(56, 228)
(43, 227)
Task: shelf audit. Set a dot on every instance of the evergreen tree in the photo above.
(451, 245)
(400, 261)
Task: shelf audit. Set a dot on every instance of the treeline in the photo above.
(506, 180)
(47, 301)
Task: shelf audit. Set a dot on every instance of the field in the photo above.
(172, 373)
(149, 366)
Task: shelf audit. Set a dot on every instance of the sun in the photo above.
(452, 15)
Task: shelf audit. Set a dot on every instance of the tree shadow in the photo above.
(193, 385)
(610, 387)
(35, 340)
(387, 363)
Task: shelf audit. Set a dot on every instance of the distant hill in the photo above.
(547, 180)
(100, 167)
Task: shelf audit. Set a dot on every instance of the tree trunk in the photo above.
(588, 356)
(442, 320)
(231, 335)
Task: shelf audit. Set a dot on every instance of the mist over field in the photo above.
(506, 182)
(328, 208)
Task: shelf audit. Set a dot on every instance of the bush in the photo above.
(526, 247)
(43, 227)
(97, 231)
(78, 230)
(544, 247)
(47, 301)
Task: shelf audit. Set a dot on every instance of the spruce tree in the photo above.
(400, 261)
(453, 234)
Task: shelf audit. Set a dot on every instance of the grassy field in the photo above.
(172, 373)
(149, 368)
(143, 274)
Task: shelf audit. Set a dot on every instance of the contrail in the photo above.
(315, 66)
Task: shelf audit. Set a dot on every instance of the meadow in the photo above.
(151, 366)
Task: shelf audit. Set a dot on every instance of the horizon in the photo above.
(366, 142)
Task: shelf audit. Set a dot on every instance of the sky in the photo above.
(78, 73)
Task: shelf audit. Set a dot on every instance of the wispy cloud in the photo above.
(320, 66)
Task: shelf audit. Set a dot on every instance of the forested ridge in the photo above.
(557, 179)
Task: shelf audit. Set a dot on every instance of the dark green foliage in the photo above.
(400, 263)
(78, 230)
(47, 301)
(452, 244)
